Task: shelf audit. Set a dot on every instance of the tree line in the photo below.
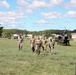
(9, 32)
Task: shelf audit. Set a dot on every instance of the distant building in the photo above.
(29, 36)
(15, 36)
(73, 36)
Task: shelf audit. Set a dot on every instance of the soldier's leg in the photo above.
(68, 42)
(50, 47)
(36, 48)
(53, 46)
(39, 47)
(44, 48)
(33, 49)
(19, 46)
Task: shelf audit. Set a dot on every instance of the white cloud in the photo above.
(73, 3)
(42, 21)
(52, 15)
(11, 18)
(29, 11)
(22, 2)
(59, 15)
(4, 4)
(44, 4)
(70, 4)
(24, 10)
(56, 2)
(12, 15)
(39, 4)
(71, 14)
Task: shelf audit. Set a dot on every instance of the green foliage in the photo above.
(1, 30)
(17, 31)
(69, 35)
(7, 33)
(47, 33)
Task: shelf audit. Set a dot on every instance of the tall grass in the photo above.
(14, 62)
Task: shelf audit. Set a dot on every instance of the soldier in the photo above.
(60, 40)
(20, 42)
(44, 44)
(32, 43)
(66, 38)
(51, 43)
(38, 44)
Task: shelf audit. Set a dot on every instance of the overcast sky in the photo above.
(37, 15)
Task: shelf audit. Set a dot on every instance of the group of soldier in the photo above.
(41, 43)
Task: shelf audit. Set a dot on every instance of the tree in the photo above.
(69, 35)
(1, 30)
(7, 33)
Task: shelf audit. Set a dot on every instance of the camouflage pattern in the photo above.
(38, 45)
(44, 44)
(51, 43)
(20, 42)
(32, 43)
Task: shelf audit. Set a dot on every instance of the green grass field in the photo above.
(24, 62)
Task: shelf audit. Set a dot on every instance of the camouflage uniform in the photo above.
(32, 43)
(44, 44)
(38, 45)
(51, 44)
(20, 42)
